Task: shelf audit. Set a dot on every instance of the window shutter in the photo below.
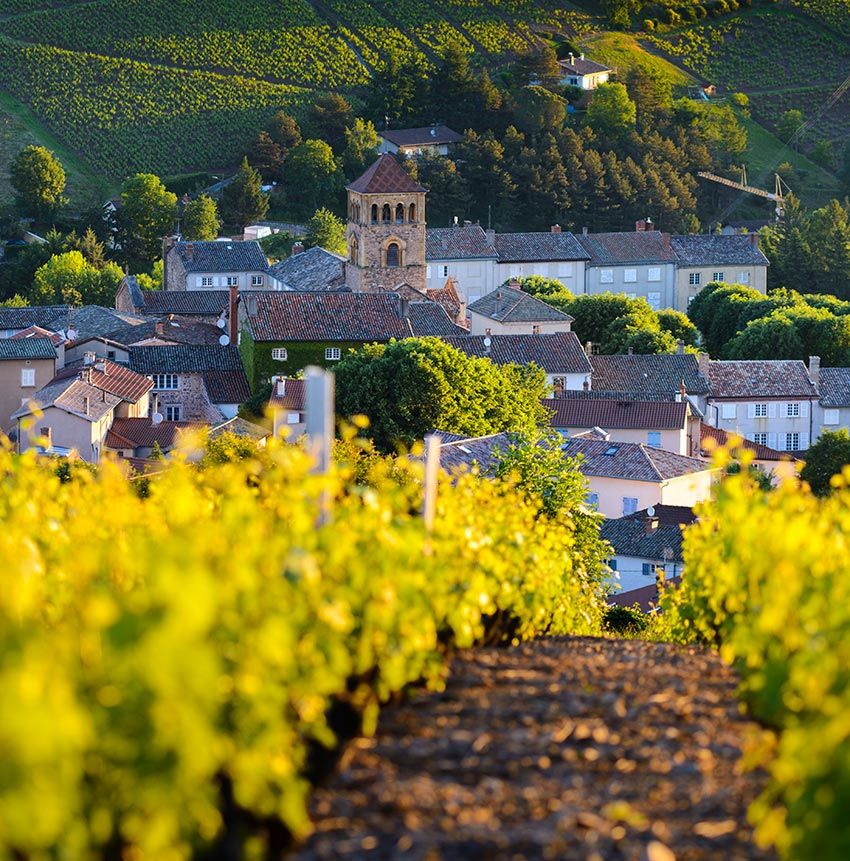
(771, 440)
(751, 411)
(804, 441)
(804, 410)
(771, 410)
(216, 281)
(751, 437)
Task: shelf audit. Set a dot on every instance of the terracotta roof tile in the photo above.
(712, 437)
(640, 375)
(558, 353)
(111, 377)
(771, 378)
(293, 397)
(630, 461)
(143, 433)
(386, 176)
(617, 415)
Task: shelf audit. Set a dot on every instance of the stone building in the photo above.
(386, 230)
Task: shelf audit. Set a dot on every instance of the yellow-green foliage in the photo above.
(766, 579)
(154, 645)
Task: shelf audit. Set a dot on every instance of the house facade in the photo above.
(26, 366)
(583, 73)
(507, 310)
(215, 265)
(287, 406)
(430, 140)
(833, 407)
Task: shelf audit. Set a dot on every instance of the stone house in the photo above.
(201, 305)
(287, 407)
(386, 229)
(311, 270)
(193, 382)
(772, 403)
(215, 265)
(26, 366)
(583, 73)
(701, 259)
(431, 140)
(510, 311)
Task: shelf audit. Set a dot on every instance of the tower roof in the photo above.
(386, 176)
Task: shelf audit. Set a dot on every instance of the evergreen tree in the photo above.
(284, 131)
(327, 119)
(313, 178)
(148, 212)
(200, 219)
(266, 156)
(361, 147)
(243, 200)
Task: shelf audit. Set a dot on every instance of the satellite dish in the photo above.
(156, 418)
(651, 511)
(487, 342)
(224, 340)
(221, 323)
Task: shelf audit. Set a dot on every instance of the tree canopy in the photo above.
(825, 459)
(200, 219)
(39, 181)
(327, 231)
(148, 212)
(70, 278)
(243, 201)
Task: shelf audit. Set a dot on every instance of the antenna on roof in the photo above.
(156, 419)
(651, 511)
(221, 322)
(224, 340)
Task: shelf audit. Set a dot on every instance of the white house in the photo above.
(215, 265)
(435, 139)
(833, 407)
(584, 73)
(510, 311)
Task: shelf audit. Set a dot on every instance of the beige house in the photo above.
(510, 311)
(778, 464)
(833, 408)
(426, 140)
(287, 407)
(668, 425)
(703, 259)
(26, 365)
(626, 477)
(215, 265)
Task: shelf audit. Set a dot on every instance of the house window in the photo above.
(165, 382)
(110, 354)
(631, 295)
(535, 329)
(560, 384)
(630, 276)
(206, 281)
(693, 279)
(648, 569)
(792, 442)
(630, 504)
(717, 276)
(653, 439)
(654, 300)
(792, 411)
(172, 412)
(728, 411)
(760, 411)
(333, 354)
(831, 417)
(256, 280)
(293, 418)
(27, 378)
(653, 273)
(743, 277)
(593, 500)
(760, 438)
(232, 281)
(279, 354)
(444, 271)
(606, 276)
(393, 255)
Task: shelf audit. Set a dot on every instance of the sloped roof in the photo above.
(227, 387)
(617, 415)
(185, 359)
(240, 427)
(182, 330)
(581, 66)
(629, 535)
(14, 349)
(630, 461)
(293, 397)
(134, 290)
(205, 303)
(559, 353)
(834, 386)
(38, 332)
(111, 377)
(143, 433)
(429, 318)
(508, 305)
(712, 250)
(72, 394)
(447, 296)
(231, 255)
(529, 247)
(640, 375)
(712, 437)
(432, 135)
(482, 451)
(287, 316)
(92, 320)
(769, 378)
(386, 176)
(640, 246)
(311, 270)
(52, 317)
(461, 242)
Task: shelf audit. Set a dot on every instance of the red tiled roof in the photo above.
(614, 414)
(721, 438)
(114, 379)
(38, 332)
(386, 176)
(227, 387)
(447, 296)
(756, 378)
(142, 432)
(646, 597)
(293, 397)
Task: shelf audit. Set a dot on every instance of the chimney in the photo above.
(640, 225)
(88, 357)
(682, 394)
(631, 350)
(588, 348)
(404, 308)
(159, 328)
(703, 362)
(281, 386)
(514, 284)
(297, 247)
(572, 58)
(649, 224)
(233, 313)
(584, 230)
(86, 405)
(556, 228)
(168, 242)
(467, 223)
(680, 347)
(814, 369)
(754, 239)
(650, 524)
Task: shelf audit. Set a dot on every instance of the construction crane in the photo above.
(778, 194)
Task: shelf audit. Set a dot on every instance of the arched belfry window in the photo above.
(352, 250)
(412, 213)
(399, 214)
(393, 255)
(374, 213)
(386, 215)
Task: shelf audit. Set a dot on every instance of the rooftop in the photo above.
(231, 255)
(110, 377)
(482, 451)
(558, 353)
(16, 349)
(38, 332)
(433, 135)
(72, 395)
(52, 317)
(580, 66)
(143, 433)
(712, 250)
(432, 319)
(834, 387)
(201, 303)
(386, 176)
(185, 359)
(770, 378)
(630, 461)
(293, 397)
(645, 536)
(528, 247)
(227, 387)
(640, 375)
(461, 242)
(639, 246)
(315, 269)
(617, 415)
(712, 438)
(510, 305)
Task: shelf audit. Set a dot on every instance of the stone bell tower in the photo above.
(386, 230)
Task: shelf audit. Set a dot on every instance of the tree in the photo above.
(312, 177)
(243, 201)
(788, 124)
(200, 219)
(69, 277)
(88, 245)
(328, 117)
(650, 90)
(327, 231)
(537, 65)
(545, 288)
(678, 325)
(284, 131)
(637, 332)
(448, 193)
(826, 458)
(771, 337)
(828, 234)
(39, 180)
(266, 156)
(619, 12)
(399, 88)
(611, 111)
(409, 387)
(361, 147)
(148, 212)
(593, 313)
(152, 281)
(539, 110)
(823, 154)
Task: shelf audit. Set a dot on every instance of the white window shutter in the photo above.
(804, 410)
(216, 281)
(771, 410)
(751, 437)
(804, 441)
(751, 411)
(771, 440)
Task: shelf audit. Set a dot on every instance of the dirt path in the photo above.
(559, 749)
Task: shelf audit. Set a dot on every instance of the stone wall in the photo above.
(193, 399)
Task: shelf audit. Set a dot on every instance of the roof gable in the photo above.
(508, 305)
(313, 269)
(232, 255)
(712, 250)
(386, 176)
(777, 378)
(617, 415)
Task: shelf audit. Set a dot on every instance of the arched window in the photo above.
(399, 214)
(412, 213)
(393, 255)
(386, 215)
(357, 212)
(374, 213)
(352, 250)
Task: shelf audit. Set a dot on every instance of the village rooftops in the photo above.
(643, 536)
(288, 394)
(430, 319)
(111, 377)
(386, 176)
(225, 255)
(185, 359)
(639, 246)
(315, 269)
(750, 379)
(15, 349)
(482, 452)
(641, 375)
(38, 332)
(558, 353)
(712, 250)
(143, 433)
(834, 387)
(434, 135)
(630, 461)
(533, 247)
(712, 438)
(52, 317)
(196, 303)
(617, 415)
(72, 395)
(509, 305)
(288, 316)
(183, 330)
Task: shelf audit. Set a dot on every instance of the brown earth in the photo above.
(572, 748)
